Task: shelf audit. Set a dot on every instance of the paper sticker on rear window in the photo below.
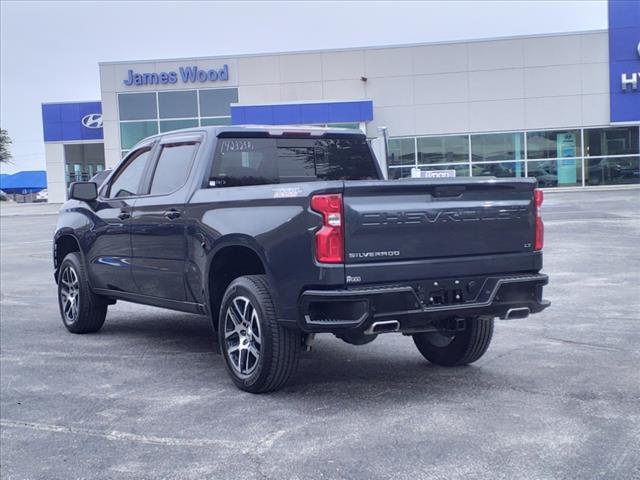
(236, 145)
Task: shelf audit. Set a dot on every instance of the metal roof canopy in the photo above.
(24, 182)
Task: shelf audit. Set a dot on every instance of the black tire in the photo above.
(463, 348)
(277, 347)
(90, 309)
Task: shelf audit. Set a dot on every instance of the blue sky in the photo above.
(50, 50)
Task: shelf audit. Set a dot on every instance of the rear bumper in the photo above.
(418, 305)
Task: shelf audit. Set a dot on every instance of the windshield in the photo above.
(259, 161)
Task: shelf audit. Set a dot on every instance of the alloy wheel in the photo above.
(242, 337)
(69, 294)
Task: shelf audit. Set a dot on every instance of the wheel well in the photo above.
(227, 265)
(64, 246)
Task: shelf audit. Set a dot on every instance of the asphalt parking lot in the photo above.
(557, 395)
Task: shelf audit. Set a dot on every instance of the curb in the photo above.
(603, 188)
(27, 214)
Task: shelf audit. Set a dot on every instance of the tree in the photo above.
(5, 141)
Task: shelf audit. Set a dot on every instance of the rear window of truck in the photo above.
(261, 161)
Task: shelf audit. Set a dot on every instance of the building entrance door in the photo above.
(82, 161)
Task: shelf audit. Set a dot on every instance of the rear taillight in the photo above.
(330, 238)
(538, 197)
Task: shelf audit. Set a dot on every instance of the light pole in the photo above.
(385, 146)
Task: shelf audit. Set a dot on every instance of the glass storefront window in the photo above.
(168, 125)
(178, 104)
(612, 171)
(399, 172)
(502, 169)
(205, 122)
(562, 172)
(215, 102)
(611, 141)
(609, 155)
(554, 144)
(452, 148)
(497, 146)
(137, 106)
(77, 172)
(132, 132)
(402, 151)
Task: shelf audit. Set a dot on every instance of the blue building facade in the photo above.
(624, 60)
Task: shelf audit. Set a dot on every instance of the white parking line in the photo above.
(265, 442)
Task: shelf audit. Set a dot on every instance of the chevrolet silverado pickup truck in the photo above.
(280, 233)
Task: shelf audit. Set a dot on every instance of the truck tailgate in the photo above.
(391, 221)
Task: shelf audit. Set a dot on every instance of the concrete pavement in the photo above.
(557, 396)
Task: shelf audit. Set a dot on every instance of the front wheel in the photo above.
(82, 311)
(259, 353)
(462, 348)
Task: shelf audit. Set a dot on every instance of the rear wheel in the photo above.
(81, 310)
(462, 348)
(259, 353)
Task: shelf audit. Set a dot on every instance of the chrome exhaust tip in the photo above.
(517, 313)
(387, 326)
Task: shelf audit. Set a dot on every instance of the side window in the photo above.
(173, 167)
(127, 181)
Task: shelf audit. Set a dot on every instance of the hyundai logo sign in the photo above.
(630, 79)
(93, 120)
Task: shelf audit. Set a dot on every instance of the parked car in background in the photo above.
(545, 179)
(612, 170)
(41, 196)
(500, 170)
(281, 233)
(3, 196)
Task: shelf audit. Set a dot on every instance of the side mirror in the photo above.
(84, 191)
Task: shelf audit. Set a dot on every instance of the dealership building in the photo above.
(564, 108)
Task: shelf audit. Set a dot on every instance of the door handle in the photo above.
(124, 215)
(172, 214)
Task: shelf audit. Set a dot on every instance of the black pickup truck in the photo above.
(281, 233)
